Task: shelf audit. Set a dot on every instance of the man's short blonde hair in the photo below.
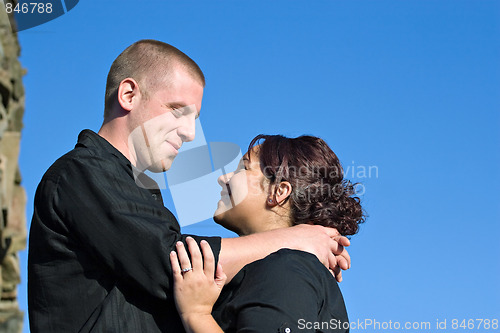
(151, 63)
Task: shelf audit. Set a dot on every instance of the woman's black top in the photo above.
(288, 291)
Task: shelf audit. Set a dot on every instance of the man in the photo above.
(100, 236)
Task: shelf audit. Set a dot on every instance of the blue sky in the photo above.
(410, 88)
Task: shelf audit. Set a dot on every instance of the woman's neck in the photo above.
(270, 222)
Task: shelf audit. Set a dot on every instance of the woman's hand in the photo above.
(197, 284)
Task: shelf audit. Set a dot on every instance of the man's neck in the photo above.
(112, 131)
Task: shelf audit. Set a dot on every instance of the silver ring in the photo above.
(185, 270)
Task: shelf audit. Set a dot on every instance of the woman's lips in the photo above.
(226, 191)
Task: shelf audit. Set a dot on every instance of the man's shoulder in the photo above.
(86, 155)
(91, 145)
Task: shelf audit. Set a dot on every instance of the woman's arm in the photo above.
(197, 285)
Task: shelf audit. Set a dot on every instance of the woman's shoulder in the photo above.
(286, 259)
(280, 273)
(293, 283)
(289, 267)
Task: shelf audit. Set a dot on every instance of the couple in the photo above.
(101, 239)
(280, 182)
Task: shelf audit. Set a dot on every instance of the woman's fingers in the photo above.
(208, 259)
(195, 288)
(183, 256)
(220, 276)
(176, 268)
(194, 250)
(206, 264)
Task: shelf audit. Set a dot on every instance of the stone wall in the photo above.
(12, 195)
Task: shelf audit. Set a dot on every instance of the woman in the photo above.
(279, 183)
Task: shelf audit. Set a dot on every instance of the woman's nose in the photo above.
(224, 179)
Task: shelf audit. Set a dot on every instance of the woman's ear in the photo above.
(284, 190)
(128, 91)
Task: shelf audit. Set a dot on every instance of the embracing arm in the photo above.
(325, 243)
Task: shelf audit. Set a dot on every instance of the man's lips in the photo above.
(176, 146)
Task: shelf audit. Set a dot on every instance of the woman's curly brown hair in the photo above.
(320, 194)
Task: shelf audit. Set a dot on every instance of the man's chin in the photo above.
(159, 167)
(165, 165)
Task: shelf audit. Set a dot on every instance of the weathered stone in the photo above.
(15, 120)
(11, 319)
(4, 121)
(12, 195)
(9, 149)
(16, 226)
(5, 87)
(11, 276)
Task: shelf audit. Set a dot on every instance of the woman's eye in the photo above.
(241, 169)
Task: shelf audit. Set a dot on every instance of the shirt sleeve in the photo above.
(284, 292)
(114, 222)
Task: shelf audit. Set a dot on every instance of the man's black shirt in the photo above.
(99, 247)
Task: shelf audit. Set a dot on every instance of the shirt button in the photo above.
(287, 330)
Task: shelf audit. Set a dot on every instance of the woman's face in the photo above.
(243, 196)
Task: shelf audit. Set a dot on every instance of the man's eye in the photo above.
(177, 112)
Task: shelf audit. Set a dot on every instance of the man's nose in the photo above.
(187, 130)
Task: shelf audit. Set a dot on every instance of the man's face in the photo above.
(166, 120)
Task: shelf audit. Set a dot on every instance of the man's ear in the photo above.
(128, 92)
(284, 190)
